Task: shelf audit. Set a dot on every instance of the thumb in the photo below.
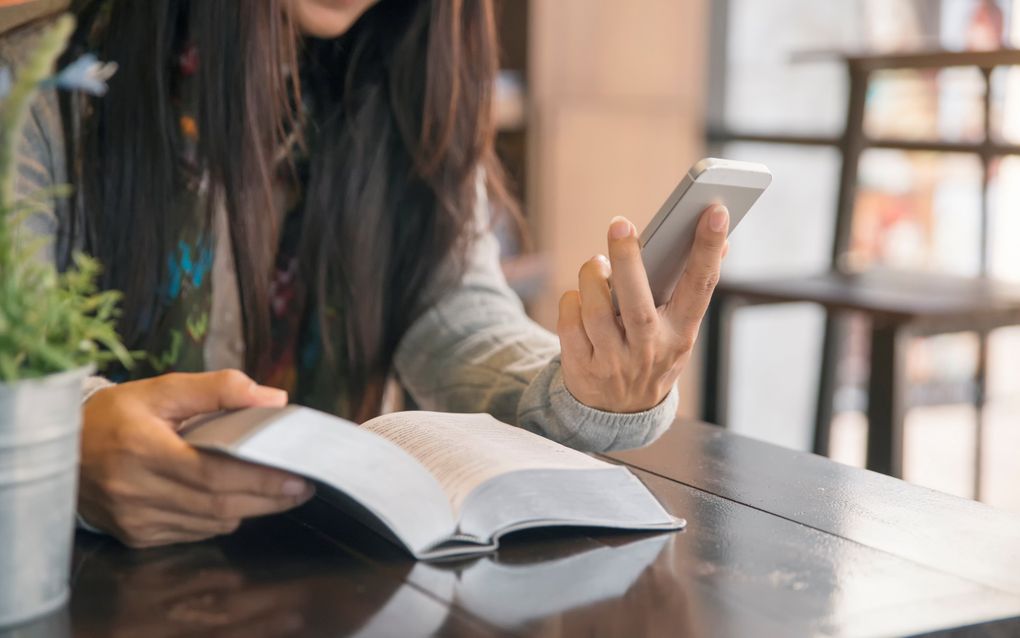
(180, 396)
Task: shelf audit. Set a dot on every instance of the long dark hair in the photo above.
(401, 128)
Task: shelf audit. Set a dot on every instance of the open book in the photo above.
(438, 484)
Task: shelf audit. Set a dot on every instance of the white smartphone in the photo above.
(667, 240)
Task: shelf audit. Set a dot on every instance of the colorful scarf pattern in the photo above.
(178, 337)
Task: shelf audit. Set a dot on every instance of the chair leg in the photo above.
(887, 399)
(980, 398)
(827, 384)
(717, 352)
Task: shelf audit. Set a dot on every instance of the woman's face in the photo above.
(328, 18)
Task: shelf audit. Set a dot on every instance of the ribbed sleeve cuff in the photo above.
(92, 385)
(595, 429)
(89, 387)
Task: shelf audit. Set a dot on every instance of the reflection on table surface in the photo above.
(778, 544)
(250, 585)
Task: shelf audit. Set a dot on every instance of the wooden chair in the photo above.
(898, 305)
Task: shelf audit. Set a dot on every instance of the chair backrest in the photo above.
(862, 70)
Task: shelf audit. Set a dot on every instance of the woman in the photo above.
(300, 189)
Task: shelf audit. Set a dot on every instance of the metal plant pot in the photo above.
(40, 425)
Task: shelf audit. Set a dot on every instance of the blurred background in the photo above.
(606, 104)
(893, 130)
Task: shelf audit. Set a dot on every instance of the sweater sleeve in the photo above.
(40, 160)
(477, 351)
(40, 165)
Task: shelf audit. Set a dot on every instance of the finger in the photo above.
(191, 524)
(570, 327)
(630, 282)
(235, 507)
(212, 472)
(164, 527)
(597, 313)
(725, 249)
(181, 396)
(216, 505)
(693, 293)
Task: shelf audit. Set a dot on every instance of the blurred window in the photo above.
(777, 73)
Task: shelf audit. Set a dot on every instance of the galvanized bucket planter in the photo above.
(40, 426)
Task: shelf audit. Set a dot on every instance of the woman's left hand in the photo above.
(629, 363)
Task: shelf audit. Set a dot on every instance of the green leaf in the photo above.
(49, 322)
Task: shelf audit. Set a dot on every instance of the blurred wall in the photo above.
(616, 113)
(17, 12)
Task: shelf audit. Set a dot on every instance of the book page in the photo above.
(611, 497)
(462, 451)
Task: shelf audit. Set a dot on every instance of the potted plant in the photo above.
(54, 328)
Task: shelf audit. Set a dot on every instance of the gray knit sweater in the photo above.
(474, 351)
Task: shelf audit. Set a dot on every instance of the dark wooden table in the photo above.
(779, 543)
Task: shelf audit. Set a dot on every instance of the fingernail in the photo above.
(718, 219)
(620, 228)
(602, 259)
(275, 396)
(294, 487)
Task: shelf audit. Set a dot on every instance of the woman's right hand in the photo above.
(141, 482)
